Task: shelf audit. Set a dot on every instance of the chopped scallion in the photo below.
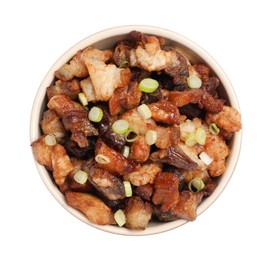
(102, 159)
(194, 81)
(151, 137)
(95, 114)
(50, 140)
(124, 64)
(81, 177)
(200, 136)
(128, 188)
(120, 217)
(190, 139)
(196, 185)
(144, 111)
(205, 158)
(82, 99)
(214, 129)
(120, 126)
(131, 136)
(126, 151)
(148, 85)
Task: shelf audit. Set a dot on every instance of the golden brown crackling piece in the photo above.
(138, 213)
(125, 98)
(77, 67)
(61, 163)
(164, 112)
(42, 152)
(218, 150)
(52, 124)
(139, 150)
(187, 205)
(167, 136)
(95, 209)
(166, 193)
(118, 164)
(146, 174)
(228, 119)
(105, 78)
(68, 88)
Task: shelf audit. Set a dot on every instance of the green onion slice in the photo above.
(102, 159)
(82, 99)
(196, 185)
(124, 64)
(128, 188)
(214, 129)
(131, 136)
(50, 140)
(205, 158)
(81, 177)
(95, 114)
(190, 139)
(148, 85)
(126, 151)
(151, 137)
(144, 111)
(120, 126)
(200, 136)
(120, 217)
(194, 81)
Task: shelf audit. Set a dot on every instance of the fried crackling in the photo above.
(167, 136)
(218, 150)
(118, 164)
(139, 150)
(144, 191)
(138, 213)
(106, 78)
(68, 88)
(164, 112)
(51, 124)
(228, 119)
(166, 193)
(146, 174)
(77, 68)
(61, 163)
(94, 208)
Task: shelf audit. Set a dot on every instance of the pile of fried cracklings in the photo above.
(159, 174)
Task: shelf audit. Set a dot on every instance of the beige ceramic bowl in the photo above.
(106, 39)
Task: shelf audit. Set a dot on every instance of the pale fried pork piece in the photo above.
(105, 78)
(94, 208)
(70, 89)
(77, 68)
(125, 98)
(196, 96)
(42, 152)
(61, 163)
(117, 164)
(74, 117)
(146, 174)
(139, 150)
(144, 191)
(109, 185)
(167, 136)
(166, 193)
(138, 213)
(228, 119)
(52, 124)
(174, 156)
(218, 150)
(137, 123)
(164, 112)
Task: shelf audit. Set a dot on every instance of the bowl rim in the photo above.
(118, 31)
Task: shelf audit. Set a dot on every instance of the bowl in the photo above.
(106, 39)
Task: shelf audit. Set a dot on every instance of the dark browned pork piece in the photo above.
(74, 117)
(138, 213)
(109, 185)
(173, 157)
(196, 96)
(116, 162)
(94, 208)
(144, 191)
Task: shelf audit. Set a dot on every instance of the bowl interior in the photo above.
(107, 39)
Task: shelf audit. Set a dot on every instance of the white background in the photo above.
(34, 34)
